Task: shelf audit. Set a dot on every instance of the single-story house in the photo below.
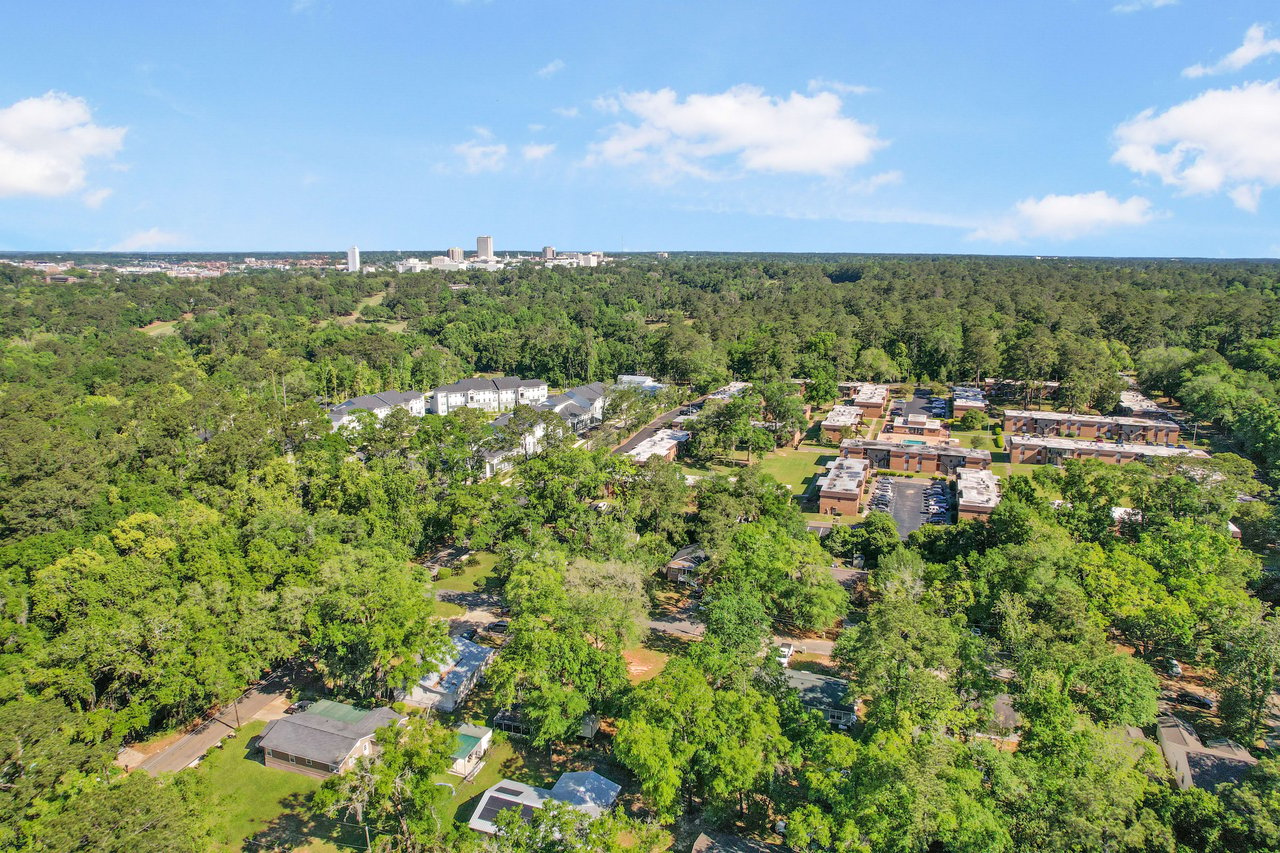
(586, 791)
(664, 443)
(684, 566)
(468, 755)
(324, 740)
(1202, 765)
(446, 688)
(825, 694)
(511, 720)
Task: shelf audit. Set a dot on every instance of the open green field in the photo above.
(247, 799)
(795, 468)
(472, 575)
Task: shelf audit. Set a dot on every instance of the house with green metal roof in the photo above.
(325, 739)
(471, 745)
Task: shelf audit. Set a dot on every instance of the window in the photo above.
(293, 759)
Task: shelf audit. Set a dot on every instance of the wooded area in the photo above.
(178, 518)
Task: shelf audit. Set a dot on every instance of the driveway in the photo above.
(188, 749)
(680, 621)
(662, 421)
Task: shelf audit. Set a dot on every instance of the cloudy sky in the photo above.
(1089, 127)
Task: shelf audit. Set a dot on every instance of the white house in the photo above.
(586, 791)
(447, 687)
(414, 402)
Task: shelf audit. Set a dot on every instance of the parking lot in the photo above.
(907, 497)
(921, 403)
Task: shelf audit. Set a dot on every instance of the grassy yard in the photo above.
(472, 575)
(795, 468)
(246, 799)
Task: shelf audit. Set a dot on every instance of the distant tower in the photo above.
(484, 247)
(548, 252)
(353, 259)
(456, 254)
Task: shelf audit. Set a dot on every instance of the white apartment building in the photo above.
(484, 247)
(353, 259)
(491, 395)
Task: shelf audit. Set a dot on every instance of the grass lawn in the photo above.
(446, 609)
(795, 468)
(246, 798)
(472, 575)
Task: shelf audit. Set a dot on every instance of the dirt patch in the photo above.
(643, 664)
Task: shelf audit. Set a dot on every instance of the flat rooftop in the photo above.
(926, 449)
(917, 422)
(658, 444)
(869, 393)
(842, 416)
(847, 476)
(1113, 446)
(977, 489)
(1088, 419)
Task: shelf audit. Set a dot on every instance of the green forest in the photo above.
(178, 519)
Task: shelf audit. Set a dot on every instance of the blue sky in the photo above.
(1089, 127)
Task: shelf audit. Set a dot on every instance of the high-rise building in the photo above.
(456, 254)
(548, 253)
(353, 259)
(484, 247)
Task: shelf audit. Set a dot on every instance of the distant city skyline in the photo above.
(1092, 128)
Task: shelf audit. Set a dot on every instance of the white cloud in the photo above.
(1256, 46)
(145, 241)
(45, 141)
(551, 68)
(1222, 139)
(535, 128)
(743, 126)
(1066, 217)
(1141, 5)
(478, 155)
(822, 84)
(565, 112)
(94, 198)
(537, 152)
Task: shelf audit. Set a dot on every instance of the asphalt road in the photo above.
(662, 421)
(182, 753)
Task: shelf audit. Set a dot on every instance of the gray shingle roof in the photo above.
(370, 402)
(322, 739)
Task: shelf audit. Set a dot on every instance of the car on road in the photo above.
(1195, 700)
(299, 707)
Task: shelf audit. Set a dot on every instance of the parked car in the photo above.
(1173, 668)
(785, 651)
(299, 707)
(1195, 700)
(499, 627)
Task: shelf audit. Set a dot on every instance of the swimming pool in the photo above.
(913, 441)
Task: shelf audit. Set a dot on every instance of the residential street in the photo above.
(660, 422)
(195, 744)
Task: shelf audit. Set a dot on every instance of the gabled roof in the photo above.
(587, 791)
(688, 557)
(1194, 763)
(384, 399)
(468, 658)
(325, 734)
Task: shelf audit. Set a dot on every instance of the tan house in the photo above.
(324, 740)
(685, 566)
